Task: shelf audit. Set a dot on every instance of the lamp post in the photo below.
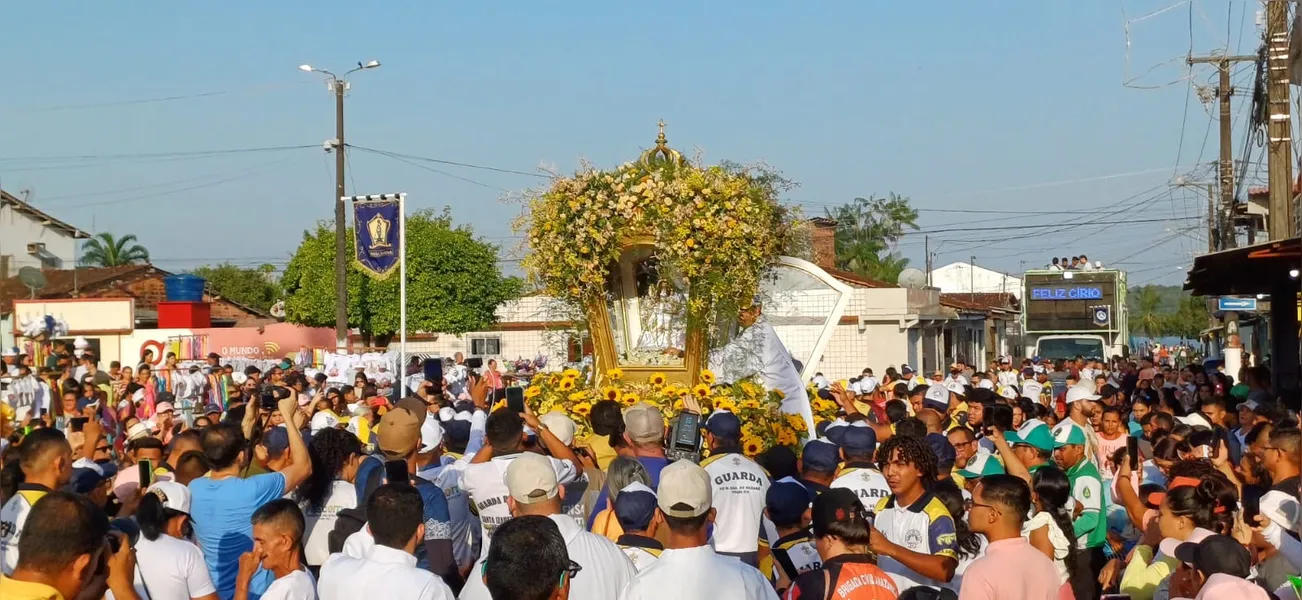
(338, 85)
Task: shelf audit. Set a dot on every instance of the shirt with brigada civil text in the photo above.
(486, 484)
(925, 527)
(738, 486)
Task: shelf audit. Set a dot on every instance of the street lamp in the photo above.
(339, 85)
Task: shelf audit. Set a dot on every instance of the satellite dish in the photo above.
(278, 309)
(33, 278)
(912, 278)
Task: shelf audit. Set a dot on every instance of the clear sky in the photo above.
(961, 106)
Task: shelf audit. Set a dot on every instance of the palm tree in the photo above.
(1148, 315)
(866, 233)
(104, 250)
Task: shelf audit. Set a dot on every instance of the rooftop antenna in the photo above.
(33, 278)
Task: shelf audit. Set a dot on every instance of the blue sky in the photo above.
(960, 106)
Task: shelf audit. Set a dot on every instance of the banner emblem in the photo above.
(376, 236)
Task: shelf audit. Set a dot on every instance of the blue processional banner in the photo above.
(376, 231)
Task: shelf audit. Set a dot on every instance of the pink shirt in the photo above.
(1012, 569)
(1107, 448)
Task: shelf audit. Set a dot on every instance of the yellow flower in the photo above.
(566, 384)
(658, 379)
(579, 396)
(615, 374)
(571, 373)
(499, 404)
(630, 399)
(610, 392)
(779, 394)
(707, 376)
(725, 404)
(532, 391)
(797, 423)
(582, 409)
(749, 404)
(678, 404)
(701, 391)
(752, 446)
(786, 438)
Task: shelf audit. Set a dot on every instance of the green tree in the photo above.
(1148, 316)
(1189, 318)
(251, 287)
(866, 232)
(453, 282)
(104, 250)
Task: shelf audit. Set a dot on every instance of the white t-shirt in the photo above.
(1056, 538)
(466, 529)
(605, 568)
(738, 485)
(486, 485)
(698, 574)
(171, 568)
(298, 585)
(319, 523)
(868, 484)
(384, 573)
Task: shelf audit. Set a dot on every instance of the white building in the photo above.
(32, 238)
(966, 278)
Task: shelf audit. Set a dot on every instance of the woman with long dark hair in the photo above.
(335, 455)
(1196, 504)
(168, 565)
(1050, 529)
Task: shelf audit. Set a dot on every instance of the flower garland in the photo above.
(764, 425)
(717, 228)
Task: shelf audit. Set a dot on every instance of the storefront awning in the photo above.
(1257, 269)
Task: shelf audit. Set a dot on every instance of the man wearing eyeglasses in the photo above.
(1011, 567)
(389, 569)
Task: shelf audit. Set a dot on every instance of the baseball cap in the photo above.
(276, 440)
(859, 440)
(83, 402)
(835, 433)
(986, 384)
(399, 432)
(723, 424)
(981, 465)
(944, 450)
(684, 490)
(561, 426)
(834, 505)
(163, 407)
(644, 423)
(457, 431)
(137, 431)
(1068, 433)
(1032, 433)
(1008, 392)
(1213, 554)
(1178, 482)
(84, 480)
(165, 397)
(1080, 392)
(635, 506)
(937, 398)
(821, 457)
(786, 501)
(956, 388)
(530, 478)
(431, 434)
(906, 370)
(174, 495)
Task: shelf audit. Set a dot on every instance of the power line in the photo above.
(439, 171)
(191, 153)
(246, 174)
(154, 100)
(449, 162)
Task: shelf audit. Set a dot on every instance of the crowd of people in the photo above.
(1043, 481)
(1075, 263)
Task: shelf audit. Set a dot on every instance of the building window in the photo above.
(485, 346)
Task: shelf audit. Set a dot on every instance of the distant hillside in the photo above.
(1169, 295)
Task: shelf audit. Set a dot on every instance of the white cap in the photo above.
(239, 378)
(174, 495)
(530, 478)
(684, 490)
(447, 413)
(644, 423)
(138, 431)
(955, 388)
(938, 393)
(1079, 392)
(9, 352)
(1008, 392)
(164, 407)
(1194, 420)
(986, 384)
(561, 426)
(431, 434)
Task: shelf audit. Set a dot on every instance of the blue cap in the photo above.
(945, 457)
(836, 434)
(635, 506)
(786, 502)
(457, 431)
(859, 440)
(725, 425)
(83, 402)
(85, 479)
(821, 457)
(276, 441)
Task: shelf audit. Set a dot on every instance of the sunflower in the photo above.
(750, 389)
(611, 392)
(532, 392)
(630, 399)
(552, 379)
(678, 405)
(752, 446)
(658, 379)
(571, 373)
(615, 374)
(725, 404)
(797, 423)
(701, 391)
(707, 376)
(786, 438)
(749, 404)
(579, 396)
(582, 409)
(779, 394)
(500, 404)
(566, 384)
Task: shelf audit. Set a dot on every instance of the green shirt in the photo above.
(1087, 488)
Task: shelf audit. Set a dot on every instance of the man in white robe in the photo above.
(757, 350)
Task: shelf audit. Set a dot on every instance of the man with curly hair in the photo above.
(913, 533)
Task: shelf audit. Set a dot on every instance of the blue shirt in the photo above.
(653, 464)
(221, 510)
(438, 520)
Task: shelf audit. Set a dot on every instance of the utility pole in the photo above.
(1281, 220)
(926, 253)
(1224, 90)
(339, 86)
(971, 279)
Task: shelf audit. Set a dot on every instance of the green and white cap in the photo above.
(981, 465)
(1068, 433)
(1034, 433)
